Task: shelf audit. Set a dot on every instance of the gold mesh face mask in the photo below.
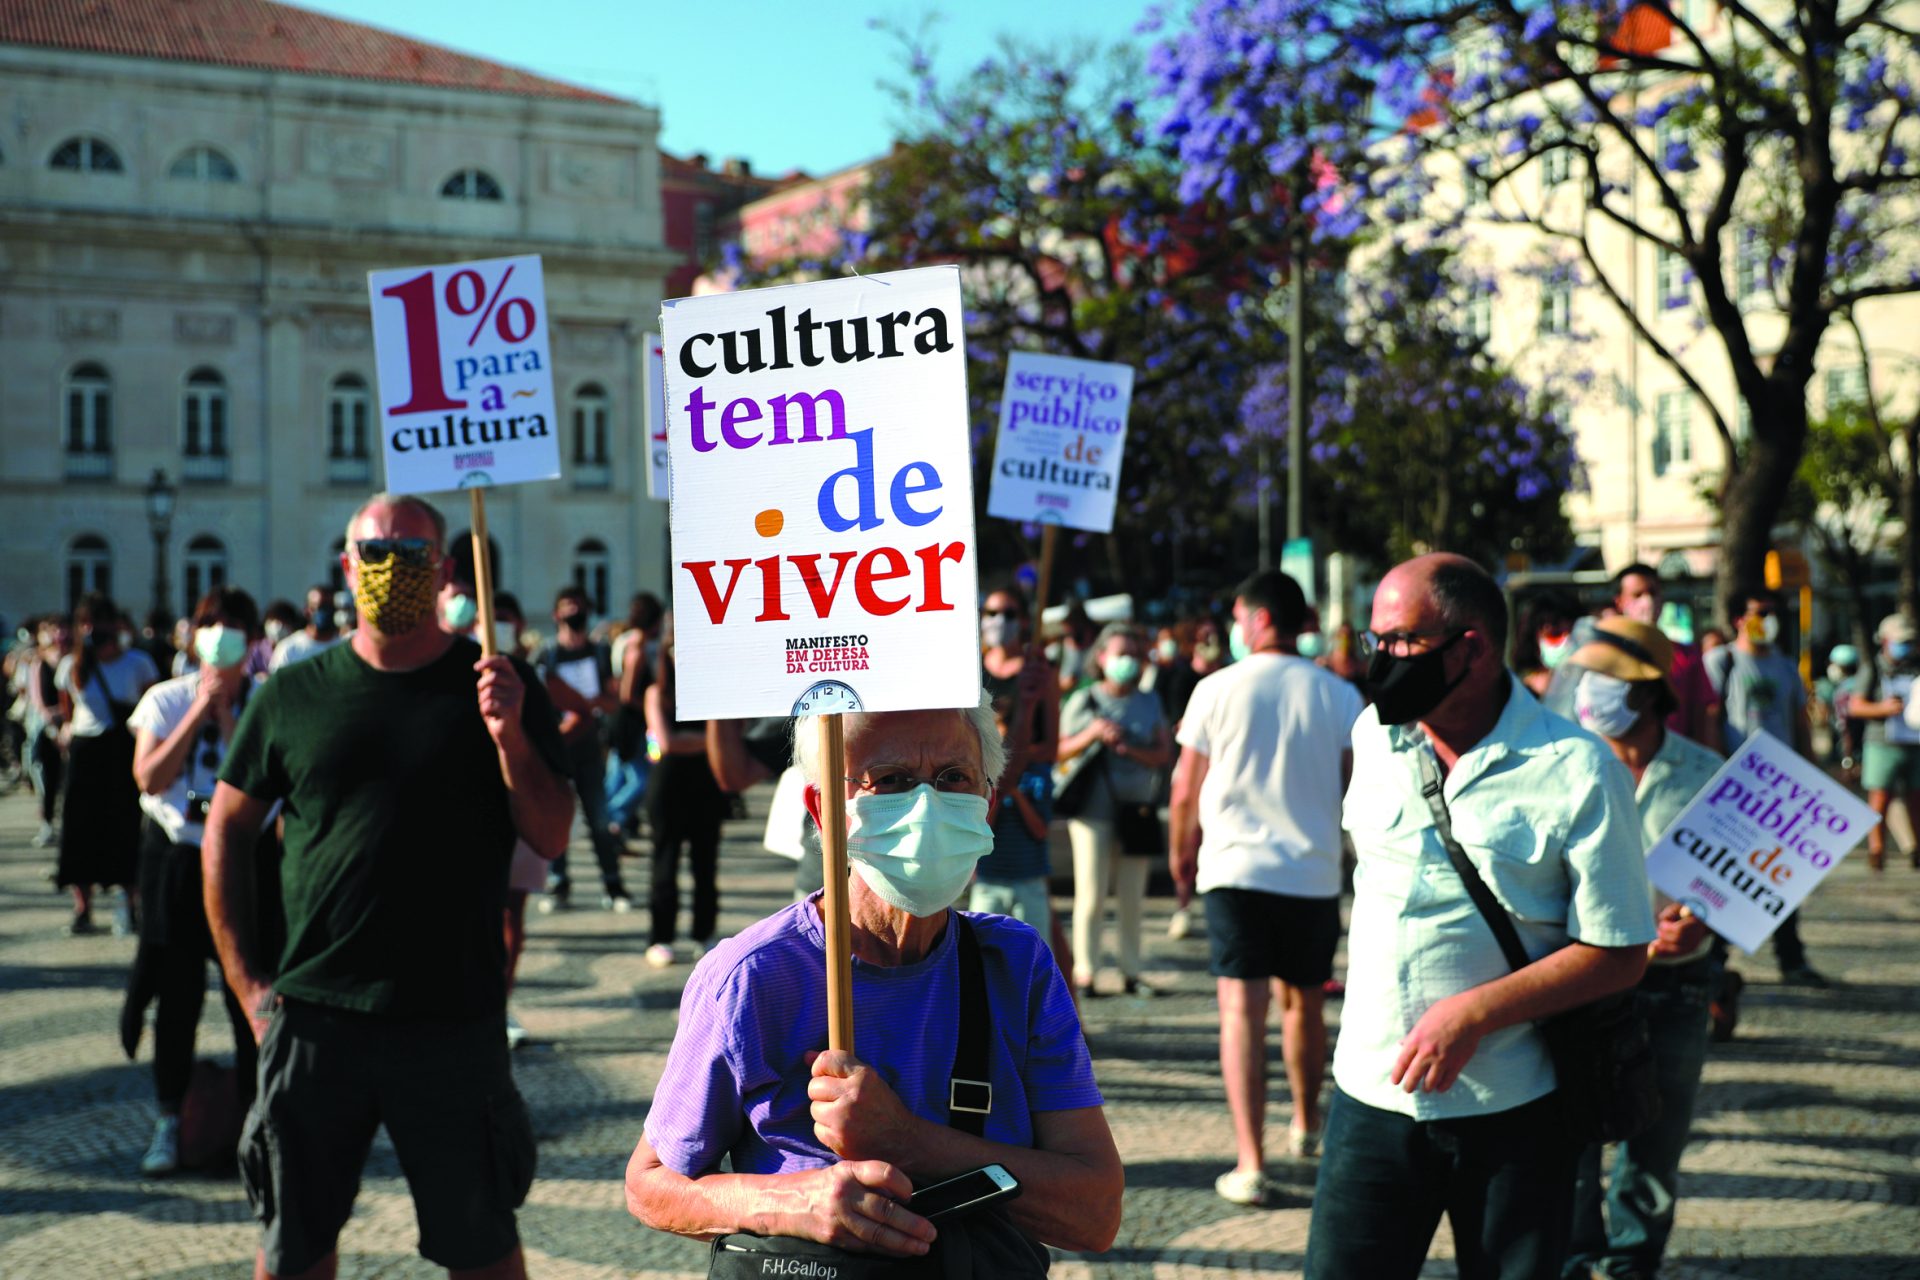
(394, 597)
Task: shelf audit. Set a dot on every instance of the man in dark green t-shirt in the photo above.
(406, 764)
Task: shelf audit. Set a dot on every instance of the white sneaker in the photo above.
(1242, 1186)
(46, 836)
(1303, 1144)
(1179, 924)
(659, 955)
(163, 1153)
(618, 903)
(516, 1034)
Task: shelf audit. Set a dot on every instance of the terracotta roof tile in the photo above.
(266, 36)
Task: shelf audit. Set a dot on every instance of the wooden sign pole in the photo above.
(1049, 534)
(482, 571)
(833, 866)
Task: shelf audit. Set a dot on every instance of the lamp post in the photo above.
(160, 496)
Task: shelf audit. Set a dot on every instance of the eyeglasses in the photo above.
(1403, 644)
(415, 552)
(893, 782)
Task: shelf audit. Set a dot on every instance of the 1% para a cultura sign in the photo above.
(466, 383)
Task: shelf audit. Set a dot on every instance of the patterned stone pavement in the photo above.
(1802, 1164)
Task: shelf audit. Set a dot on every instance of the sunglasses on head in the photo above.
(411, 551)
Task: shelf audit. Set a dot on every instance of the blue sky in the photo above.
(784, 85)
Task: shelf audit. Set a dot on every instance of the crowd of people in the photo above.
(248, 789)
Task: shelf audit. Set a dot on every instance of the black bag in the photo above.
(1602, 1052)
(1070, 801)
(1136, 828)
(985, 1244)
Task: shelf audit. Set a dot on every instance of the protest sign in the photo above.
(466, 385)
(822, 508)
(1756, 840)
(1063, 429)
(658, 473)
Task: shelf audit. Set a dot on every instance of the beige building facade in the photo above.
(184, 248)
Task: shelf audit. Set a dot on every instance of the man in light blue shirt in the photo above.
(1444, 1099)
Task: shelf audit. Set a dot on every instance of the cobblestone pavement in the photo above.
(1802, 1162)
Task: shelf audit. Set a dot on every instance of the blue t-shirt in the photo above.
(1018, 854)
(736, 1078)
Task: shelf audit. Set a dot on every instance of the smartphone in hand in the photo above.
(957, 1197)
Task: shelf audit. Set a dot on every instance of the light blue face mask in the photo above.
(1124, 669)
(1237, 644)
(916, 850)
(220, 646)
(459, 612)
(1311, 644)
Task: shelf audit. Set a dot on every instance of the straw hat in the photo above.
(1894, 628)
(1627, 649)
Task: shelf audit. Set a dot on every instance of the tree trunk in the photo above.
(1752, 501)
(1910, 520)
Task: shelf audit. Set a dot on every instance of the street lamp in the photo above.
(160, 496)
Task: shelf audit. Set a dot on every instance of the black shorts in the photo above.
(1251, 934)
(329, 1078)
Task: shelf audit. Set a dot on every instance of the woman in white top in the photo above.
(182, 728)
(100, 681)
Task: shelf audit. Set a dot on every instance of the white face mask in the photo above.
(1600, 705)
(916, 850)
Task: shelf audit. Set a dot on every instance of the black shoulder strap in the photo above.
(1489, 906)
(970, 1090)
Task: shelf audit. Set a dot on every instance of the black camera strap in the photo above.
(1489, 906)
(970, 1088)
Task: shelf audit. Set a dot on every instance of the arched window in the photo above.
(89, 567)
(203, 164)
(85, 155)
(89, 423)
(203, 568)
(349, 404)
(590, 436)
(590, 564)
(203, 426)
(471, 184)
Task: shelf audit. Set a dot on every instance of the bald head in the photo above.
(1444, 591)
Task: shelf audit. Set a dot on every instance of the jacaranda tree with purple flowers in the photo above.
(1771, 148)
(1039, 174)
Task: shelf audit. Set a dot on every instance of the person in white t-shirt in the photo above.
(1265, 756)
(182, 727)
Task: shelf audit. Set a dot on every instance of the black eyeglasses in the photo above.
(1404, 644)
(893, 782)
(417, 552)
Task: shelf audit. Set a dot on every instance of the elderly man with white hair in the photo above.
(827, 1146)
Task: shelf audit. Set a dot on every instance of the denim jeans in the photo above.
(626, 787)
(588, 770)
(1505, 1182)
(1644, 1188)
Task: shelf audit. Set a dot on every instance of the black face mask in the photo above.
(572, 620)
(1405, 689)
(322, 621)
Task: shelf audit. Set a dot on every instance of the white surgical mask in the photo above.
(916, 850)
(220, 646)
(1600, 704)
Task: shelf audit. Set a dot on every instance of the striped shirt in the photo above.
(736, 1078)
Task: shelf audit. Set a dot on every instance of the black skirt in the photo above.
(100, 821)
